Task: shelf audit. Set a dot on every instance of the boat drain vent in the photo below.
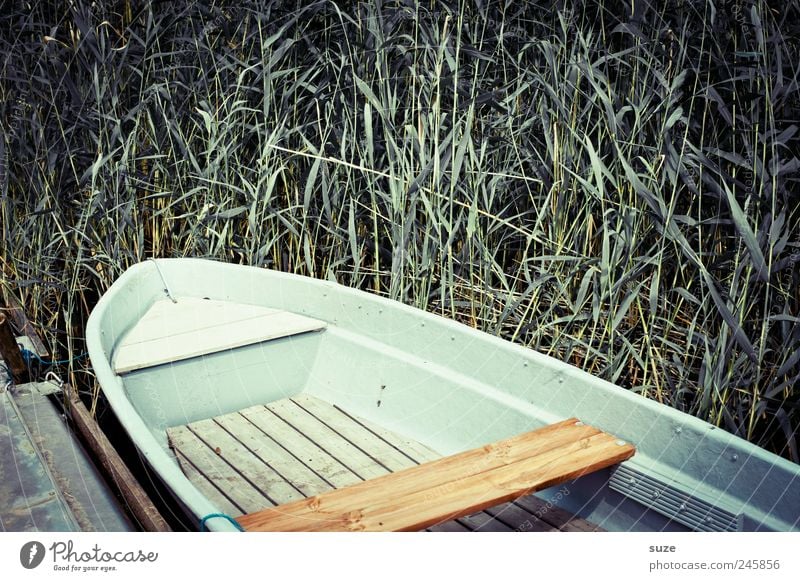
(675, 504)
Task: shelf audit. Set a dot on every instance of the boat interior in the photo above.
(250, 440)
(262, 389)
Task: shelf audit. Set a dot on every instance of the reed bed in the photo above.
(611, 183)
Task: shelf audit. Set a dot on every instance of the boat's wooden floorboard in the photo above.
(297, 447)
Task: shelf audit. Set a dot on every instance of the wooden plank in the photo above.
(252, 469)
(483, 522)
(192, 327)
(298, 445)
(449, 526)
(16, 311)
(136, 498)
(227, 480)
(10, 353)
(555, 516)
(391, 448)
(273, 454)
(392, 451)
(332, 430)
(206, 488)
(518, 519)
(409, 447)
(453, 486)
(333, 443)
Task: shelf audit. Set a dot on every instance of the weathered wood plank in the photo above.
(330, 441)
(140, 504)
(274, 455)
(192, 327)
(483, 522)
(14, 309)
(555, 516)
(298, 445)
(394, 452)
(227, 480)
(453, 486)
(251, 467)
(10, 353)
(518, 519)
(206, 488)
(450, 526)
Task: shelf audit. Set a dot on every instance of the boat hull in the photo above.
(433, 380)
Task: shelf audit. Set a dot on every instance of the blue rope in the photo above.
(28, 355)
(219, 515)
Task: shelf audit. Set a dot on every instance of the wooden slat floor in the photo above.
(298, 447)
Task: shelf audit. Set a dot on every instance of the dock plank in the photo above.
(29, 499)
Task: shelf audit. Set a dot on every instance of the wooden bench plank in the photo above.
(454, 486)
(390, 449)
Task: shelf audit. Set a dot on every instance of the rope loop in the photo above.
(229, 518)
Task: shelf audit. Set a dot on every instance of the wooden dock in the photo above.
(263, 456)
(47, 481)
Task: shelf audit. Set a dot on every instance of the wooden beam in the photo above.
(454, 486)
(13, 309)
(118, 473)
(10, 353)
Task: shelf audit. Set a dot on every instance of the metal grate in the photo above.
(672, 502)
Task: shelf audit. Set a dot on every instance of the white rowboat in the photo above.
(246, 388)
